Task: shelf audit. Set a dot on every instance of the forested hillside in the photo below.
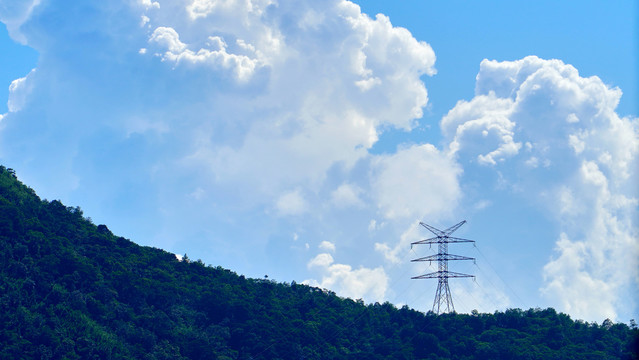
(70, 289)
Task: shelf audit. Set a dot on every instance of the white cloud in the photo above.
(327, 246)
(291, 203)
(323, 260)
(416, 182)
(399, 253)
(396, 254)
(168, 38)
(217, 84)
(347, 195)
(577, 144)
(482, 204)
(367, 84)
(203, 8)
(482, 126)
(203, 113)
(372, 225)
(216, 55)
(597, 255)
(588, 155)
(19, 92)
(150, 4)
(571, 282)
(16, 13)
(572, 118)
(533, 162)
(362, 283)
(319, 56)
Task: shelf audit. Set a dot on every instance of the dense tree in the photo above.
(72, 290)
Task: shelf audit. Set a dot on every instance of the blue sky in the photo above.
(305, 140)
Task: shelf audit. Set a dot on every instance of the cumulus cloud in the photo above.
(361, 283)
(416, 182)
(150, 4)
(204, 8)
(571, 282)
(291, 203)
(323, 260)
(344, 76)
(347, 195)
(19, 91)
(327, 246)
(599, 249)
(533, 112)
(216, 55)
(482, 126)
(257, 96)
(395, 255)
(14, 14)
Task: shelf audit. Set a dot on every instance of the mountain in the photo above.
(70, 289)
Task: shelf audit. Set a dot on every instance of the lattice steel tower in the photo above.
(443, 300)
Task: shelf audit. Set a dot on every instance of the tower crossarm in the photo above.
(433, 229)
(446, 232)
(433, 240)
(437, 257)
(443, 274)
(452, 239)
(454, 228)
(441, 239)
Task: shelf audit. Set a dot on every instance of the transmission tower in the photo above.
(443, 299)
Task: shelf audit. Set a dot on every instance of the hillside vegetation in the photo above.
(70, 289)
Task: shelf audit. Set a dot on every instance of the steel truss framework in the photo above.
(443, 299)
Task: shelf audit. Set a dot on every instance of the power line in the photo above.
(499, 276)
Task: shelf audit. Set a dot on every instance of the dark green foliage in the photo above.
(73, 290)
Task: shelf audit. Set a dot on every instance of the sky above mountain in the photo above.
(306, 140)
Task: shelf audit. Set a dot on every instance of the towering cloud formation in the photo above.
(255, 80)
(193, 107)
(555, 137)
